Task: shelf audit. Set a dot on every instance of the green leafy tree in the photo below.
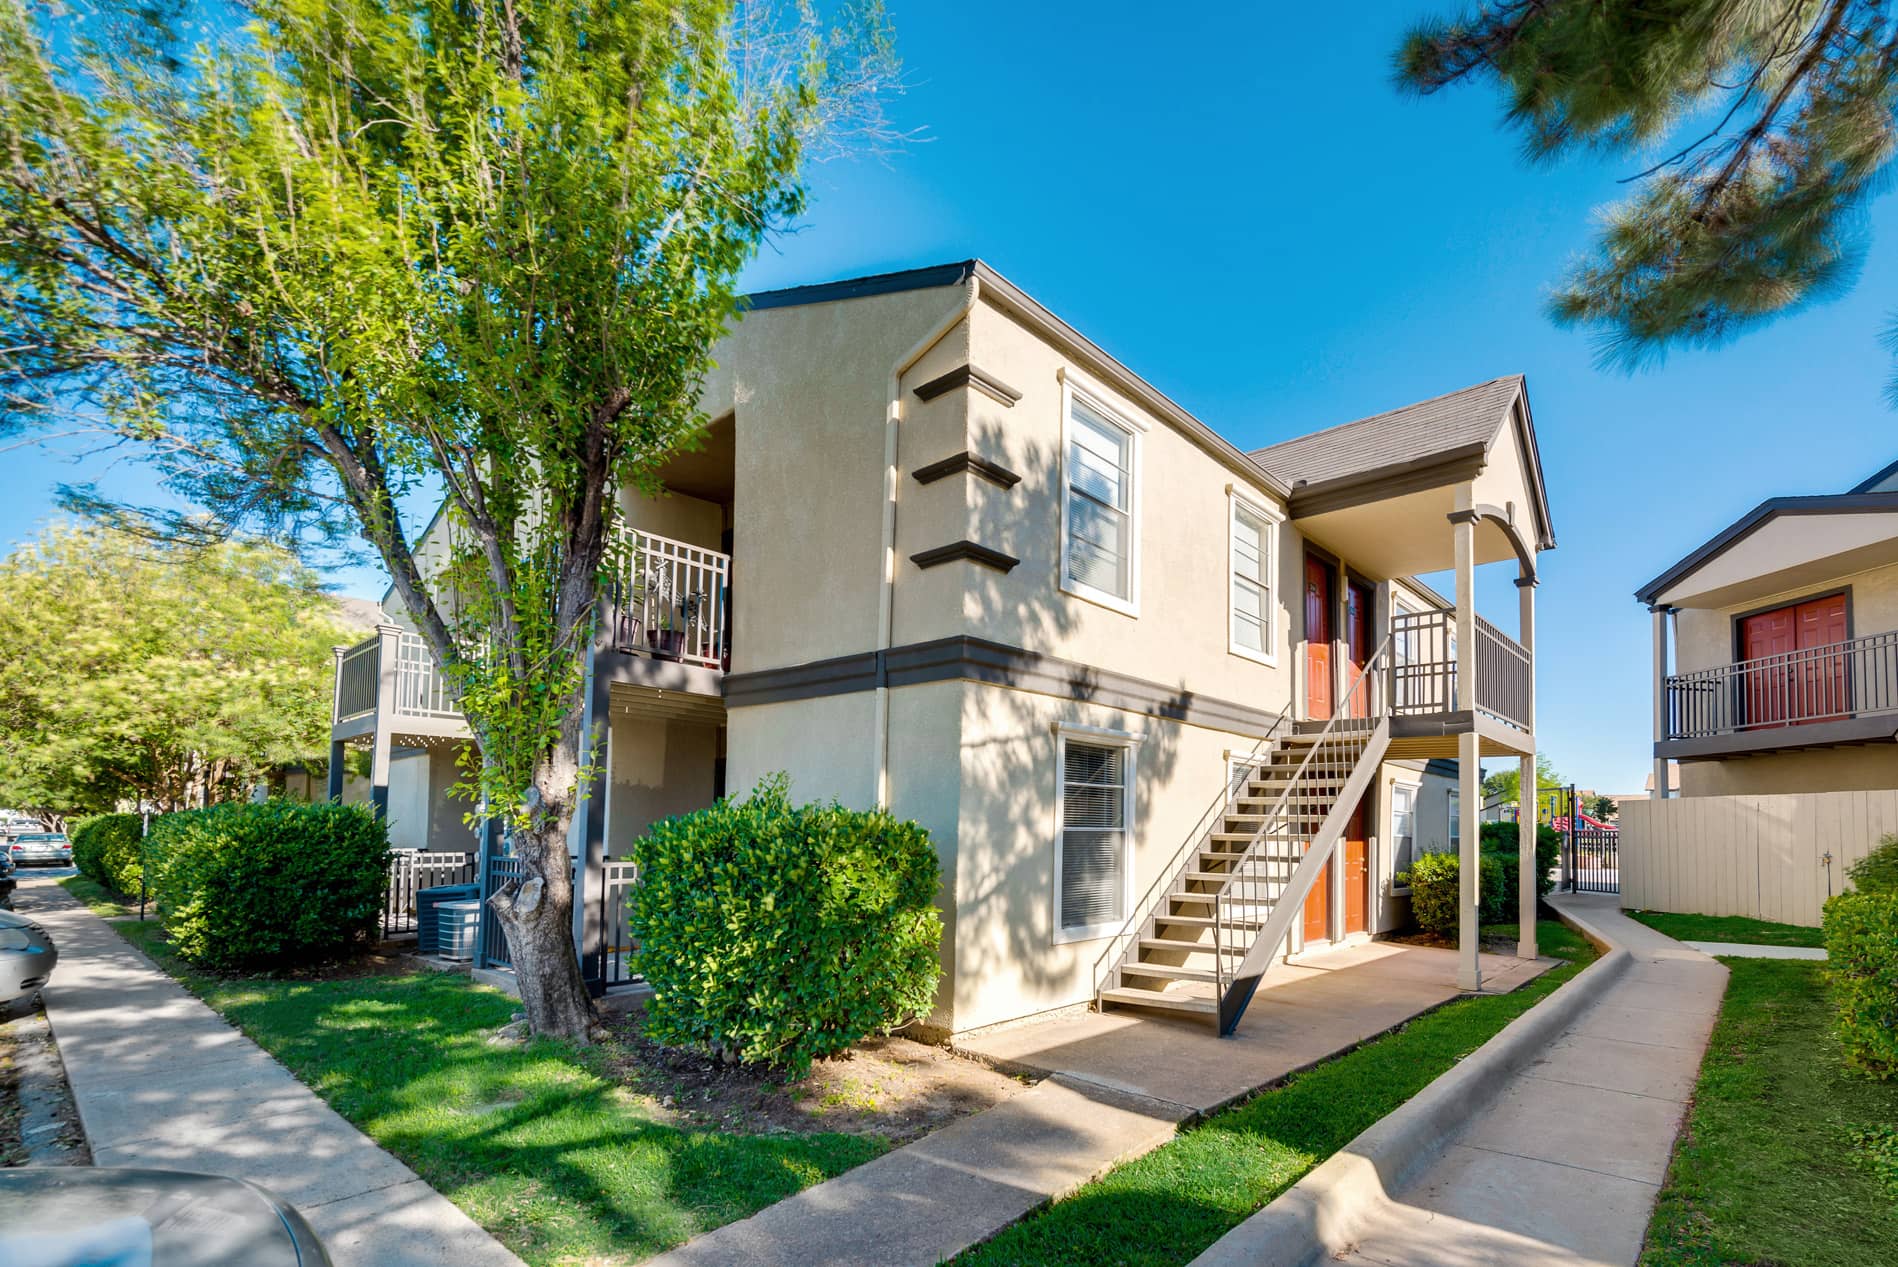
(1763, 129)
(341, 251)
(1604, 807)
(1505, 785)
(156, 672)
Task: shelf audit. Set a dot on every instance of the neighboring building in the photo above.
(941, 552)
(1783, 676)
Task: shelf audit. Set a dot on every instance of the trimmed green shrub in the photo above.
(266, 884)
(779, 934)
(1434, 879)
(106, 848)
(1862, 962)
(1501, 904)
(1877, 871)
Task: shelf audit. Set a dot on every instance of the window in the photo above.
(1456, 820)
(1403, 828)
(1099, 533)
(1092, 869)
(1253, 551)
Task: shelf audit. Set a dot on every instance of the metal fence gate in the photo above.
(1594, 861)
(411, 870)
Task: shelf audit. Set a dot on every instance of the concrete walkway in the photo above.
(1563, 1165)
(1116, 1086)
(161, 1080)
(1747, 950)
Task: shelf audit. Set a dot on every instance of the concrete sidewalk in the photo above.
(1749, 950)
(161, 1080)
(1564, 1164)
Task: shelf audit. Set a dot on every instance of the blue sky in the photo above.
(1239, 206)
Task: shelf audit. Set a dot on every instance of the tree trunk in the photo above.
(536, 911)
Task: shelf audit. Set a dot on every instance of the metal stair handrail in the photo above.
(1343, 743)
(1167, 878)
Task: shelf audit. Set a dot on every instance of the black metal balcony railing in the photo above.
(1423, 668)
(1836, 682)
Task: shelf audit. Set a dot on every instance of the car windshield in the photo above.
(41, 838)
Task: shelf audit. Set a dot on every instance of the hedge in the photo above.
(1434, 880)
(1877, 871)
(778, 934)
(1861, 931)
(271, 883)
(106, 848)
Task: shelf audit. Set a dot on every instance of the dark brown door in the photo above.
(1357, 874)
(1359, 602)
(1318, 678)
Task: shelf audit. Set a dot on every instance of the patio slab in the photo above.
(1303, 1013)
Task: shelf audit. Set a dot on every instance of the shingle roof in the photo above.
(1411, 434)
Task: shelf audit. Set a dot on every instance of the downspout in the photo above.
(886, 590)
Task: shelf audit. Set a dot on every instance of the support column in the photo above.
(1527, 819)
(388, 638)
(1660, 699)
(589, 843)
(337, 747)
(1469, 756)
(339, 753)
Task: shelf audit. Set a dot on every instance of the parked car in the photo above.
(27, 957)
(69, 1216)
(48, 848)
(7, 882)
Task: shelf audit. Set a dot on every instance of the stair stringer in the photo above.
(1290, 903)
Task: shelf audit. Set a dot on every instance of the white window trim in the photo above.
(1453, 828)
(1234, 500)
(1416, 800)
(1070, 389)
(1103, 737)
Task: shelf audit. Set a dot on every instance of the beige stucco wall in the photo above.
(657, 768)
(689, 519)
(1706, 634)
(823, 744)
(1859, 768)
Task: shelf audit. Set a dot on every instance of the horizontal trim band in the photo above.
(973, 551)
(972, 378)
(997, 664)
(994, 472)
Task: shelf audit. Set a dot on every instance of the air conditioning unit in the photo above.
(427, 922)
(457, 925)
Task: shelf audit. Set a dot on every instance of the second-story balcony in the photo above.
(667, 613)
(1844, 692)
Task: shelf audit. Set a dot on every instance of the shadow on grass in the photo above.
(559, 1162)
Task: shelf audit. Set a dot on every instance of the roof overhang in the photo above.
(1782, 545)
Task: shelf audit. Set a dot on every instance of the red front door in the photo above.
(1359, 602)
(1786, 682)
(1318, 907)
(1318, 677)
(1357, 875)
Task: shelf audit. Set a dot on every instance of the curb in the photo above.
(1322, 1214)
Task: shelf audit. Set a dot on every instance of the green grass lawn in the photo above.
(1782, 1160)
(561, 1164)
(1737, 928)
(1169, 1205)
(102, 901)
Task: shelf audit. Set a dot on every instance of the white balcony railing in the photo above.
(418, 688)
(672, 601)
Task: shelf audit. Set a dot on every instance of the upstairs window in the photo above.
(1099, 529)
(1252, 550)
(1092, 866)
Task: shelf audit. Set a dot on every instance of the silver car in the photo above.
(48, 847)
(27, 956)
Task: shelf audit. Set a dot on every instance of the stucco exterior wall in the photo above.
(1866, 767)
(657, 768)
(689, 519)
(823, 744)
(1707, 634)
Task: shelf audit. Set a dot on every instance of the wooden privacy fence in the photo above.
(1765, 857)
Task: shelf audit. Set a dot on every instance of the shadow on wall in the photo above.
(1006, 853)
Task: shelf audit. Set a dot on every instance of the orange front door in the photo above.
(1318, 678)
(1358, 604)
(1318, 907)
(1357, 875)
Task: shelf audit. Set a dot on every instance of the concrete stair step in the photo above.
(1131, 996)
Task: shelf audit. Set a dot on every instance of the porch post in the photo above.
(589, 873)
(1660, 699)
(339, 753)
(1527, 820)
(337, 747)
(1469, 753)
(387, 639)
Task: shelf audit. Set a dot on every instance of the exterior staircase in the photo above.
(1205, 935)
